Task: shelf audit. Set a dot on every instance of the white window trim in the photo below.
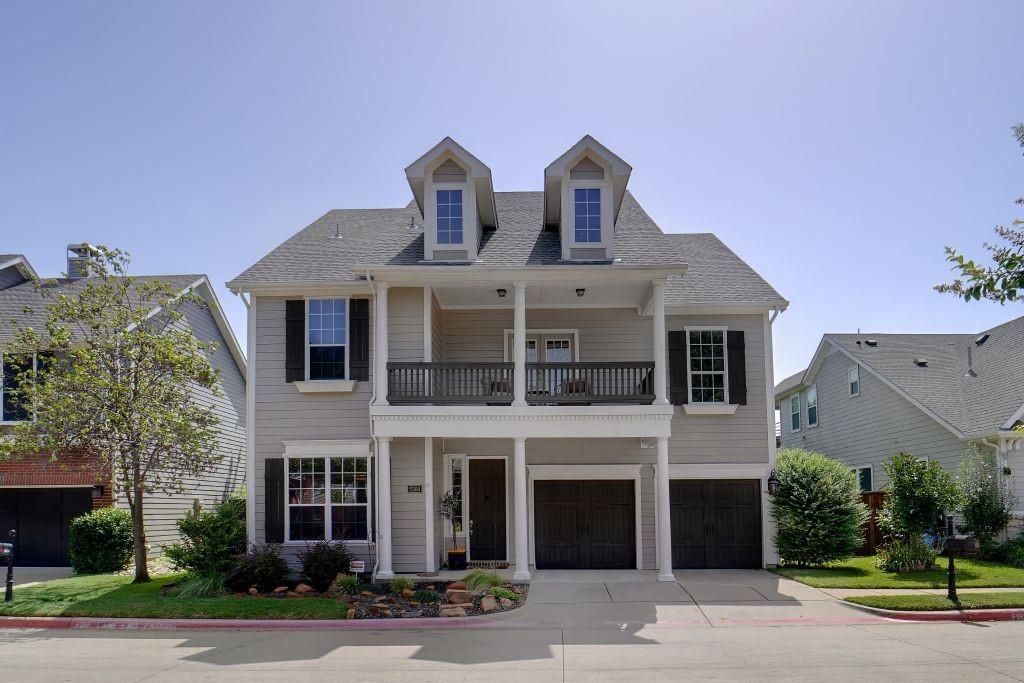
(348, 346)
(607, 226)
(725, 365)
(448, 458)
(573, 334)
(799, 417)
(2, 420)
(807, 404)
(438, 187)
(849, 382)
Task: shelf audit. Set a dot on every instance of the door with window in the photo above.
(547, 348)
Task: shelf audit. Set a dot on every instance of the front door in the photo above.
(487, 510)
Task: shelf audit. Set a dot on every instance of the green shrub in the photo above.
(478, 580)
(208, 585)
(986, 499)
(500, 592)
(345, 584)
(1010, 551)
(905, 555)
(817, 509)
(396, 586)
(263, 566)
(917, 495)
(322, 562)
(426, 596)
(101, 541)
(210, 540)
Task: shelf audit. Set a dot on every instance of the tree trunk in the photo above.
(139, 532)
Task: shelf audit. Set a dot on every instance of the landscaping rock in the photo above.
(292, 594)
(254, 591)
(505, 603)
(488, 603)
(381, 611)
(281, 589)
(463, 605)
(385, 600)
(457, 586)
(412, 613)
(368, 594)
(458, 596)
(351, 613)
(452, 612)
(302, 589)
(407, 593)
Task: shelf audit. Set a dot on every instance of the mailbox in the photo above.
(961, 543)
(6, 549)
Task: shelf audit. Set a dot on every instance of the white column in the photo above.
(664, 516)
(519, 344)
(384, 569)
(380, 346)
(250, 422)
(522, 572)
(660, 389)
(428, 496)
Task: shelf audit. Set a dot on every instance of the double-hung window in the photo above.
(327, 329)
(863, 474)
(449, 216)
(812, 406)
(587, 214)
(794, 412)
(853, 375)
(328, 499)
(706, 352)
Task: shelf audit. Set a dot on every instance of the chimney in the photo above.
(78, 260)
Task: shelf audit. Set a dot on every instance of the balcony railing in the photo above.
(546, 383)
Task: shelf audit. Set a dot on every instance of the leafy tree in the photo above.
(986, 498)
(817, 508)
(918, 493)
(1004, 280)
(121, 385)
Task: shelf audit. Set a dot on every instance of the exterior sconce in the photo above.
(502, 292)
(580, 291)
(773, 483)
(97, 492)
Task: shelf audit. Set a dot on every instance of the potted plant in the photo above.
(451, 507)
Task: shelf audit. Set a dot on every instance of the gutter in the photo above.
(250, 421)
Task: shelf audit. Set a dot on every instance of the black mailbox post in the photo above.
(951, 548)
(7, 550)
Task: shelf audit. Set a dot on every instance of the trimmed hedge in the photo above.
(101, 541)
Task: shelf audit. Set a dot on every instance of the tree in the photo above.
(1004, 280)
(986, 497)
(918, 493)
(120, 384)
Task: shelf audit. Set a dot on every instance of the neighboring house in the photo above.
(866, 397)
(528, 350)
(39, 496)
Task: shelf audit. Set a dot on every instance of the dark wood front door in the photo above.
(585, 524)
(487, 510)
(41, 518)
(716, 523)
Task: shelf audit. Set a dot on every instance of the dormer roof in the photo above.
(591, 153)
(444, 154)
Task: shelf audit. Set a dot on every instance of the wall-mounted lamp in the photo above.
(502, 292)
(580, 291)
(773, 483)
(97, 492)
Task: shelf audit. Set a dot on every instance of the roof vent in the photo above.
(970, 374)
(871, 342)
(982, 339)
(921, 362)
(337, 231)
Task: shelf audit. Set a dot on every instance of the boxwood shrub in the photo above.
(101, 541)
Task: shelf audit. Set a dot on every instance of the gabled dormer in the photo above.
(14, 270)
(455, 196)
(583, 191)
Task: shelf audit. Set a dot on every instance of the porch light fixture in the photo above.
(773, 483)
(502, 292)
(580, 291)
(97, 492)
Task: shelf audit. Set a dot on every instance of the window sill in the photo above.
(326, 386)
(710, 408)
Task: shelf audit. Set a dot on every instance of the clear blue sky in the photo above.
(835, 146)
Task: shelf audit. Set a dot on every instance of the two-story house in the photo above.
(865, 397)
(595, 391)
(39, 495)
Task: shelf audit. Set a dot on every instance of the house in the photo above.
(39, 496)
(865, 397)
(594, 390)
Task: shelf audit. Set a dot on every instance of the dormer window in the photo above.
(587, 214)
(449, 216)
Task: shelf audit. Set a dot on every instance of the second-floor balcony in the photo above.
(474, 383)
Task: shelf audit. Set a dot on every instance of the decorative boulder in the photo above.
(506, 603)
(488, 603)
(303, 588)
(457, 586)
(458, 596)
(452, 612)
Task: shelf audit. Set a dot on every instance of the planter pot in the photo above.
(457, 559)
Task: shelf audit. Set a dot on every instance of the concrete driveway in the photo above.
(26, 576)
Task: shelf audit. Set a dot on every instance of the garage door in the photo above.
(585, 524)
(41, 518)
(716, 523)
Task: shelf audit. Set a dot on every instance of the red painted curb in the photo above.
(1012, 614)
(135, 624)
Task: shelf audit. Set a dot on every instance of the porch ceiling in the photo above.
(547, 295)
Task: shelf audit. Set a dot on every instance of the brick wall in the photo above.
(67, 470)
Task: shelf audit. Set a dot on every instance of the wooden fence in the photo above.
(872, 533)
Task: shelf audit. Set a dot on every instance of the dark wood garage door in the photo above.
(716, 523)
(41, 518)
(585, 524)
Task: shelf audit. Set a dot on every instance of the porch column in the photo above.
(660, 358)
(522, 529)
(380, 345)
(428, 497)
(384, 569)
(519, 345)
(664, 517)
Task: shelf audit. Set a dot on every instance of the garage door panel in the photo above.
(585, 524)
(716, 523)
(41, 518)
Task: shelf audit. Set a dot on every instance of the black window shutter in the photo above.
(678, 380)
(359, 339)
(736, 352)
(294, 340)
(273, 499)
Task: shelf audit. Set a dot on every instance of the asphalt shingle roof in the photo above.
(395, 237)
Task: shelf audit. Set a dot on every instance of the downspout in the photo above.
(373, 436)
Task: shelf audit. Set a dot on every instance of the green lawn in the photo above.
(925, 602)
(115, 596)
(861, 572)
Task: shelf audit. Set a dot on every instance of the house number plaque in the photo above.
(416, 489)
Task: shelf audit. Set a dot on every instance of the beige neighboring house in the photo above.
(595, 390)
(865, 397)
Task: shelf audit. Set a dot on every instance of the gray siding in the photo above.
(449, 172)
(408, 528)
(437, 332)
(869, 428)
(405, 324)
